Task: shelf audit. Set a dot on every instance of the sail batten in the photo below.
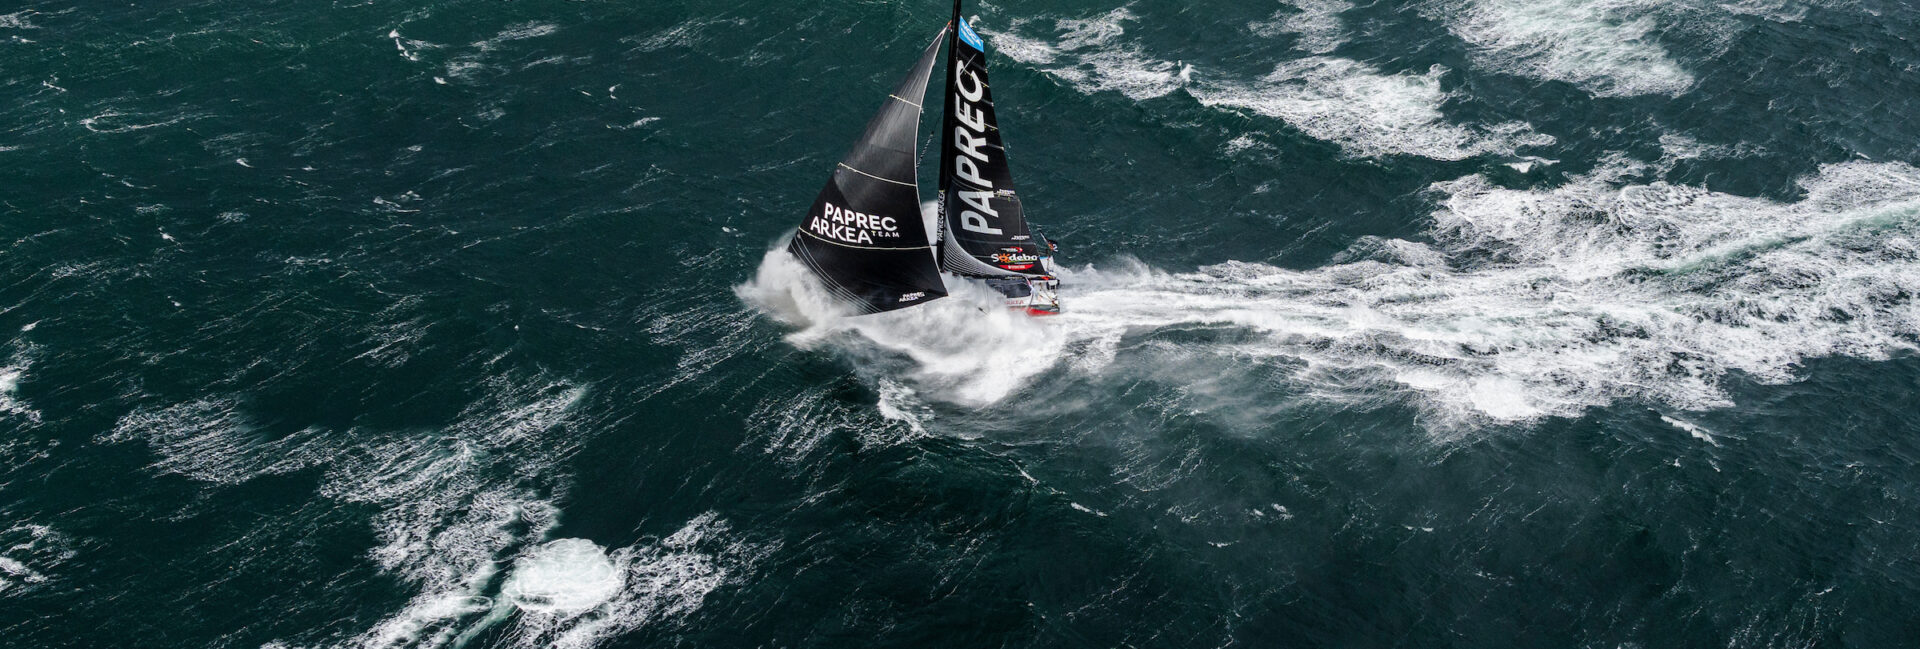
(864, 236)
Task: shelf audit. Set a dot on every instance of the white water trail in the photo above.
(1526, 303)
(967, 347)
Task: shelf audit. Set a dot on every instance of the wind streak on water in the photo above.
(465, 516)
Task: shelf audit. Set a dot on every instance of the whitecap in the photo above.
(30, 555)
(111, 121)
(1316, 23)
(573, 594)
(1098, 62)
(1607, 47)
(1367, 112)
(562, 578)
(900, 403)
(10, 377)
(17, 20)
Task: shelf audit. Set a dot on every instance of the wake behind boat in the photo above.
(864, 237)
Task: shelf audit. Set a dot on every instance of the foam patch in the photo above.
(1367, 112)
(1316, 23)
(1607, 47)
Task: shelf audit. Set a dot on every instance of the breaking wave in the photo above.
(1525, 303)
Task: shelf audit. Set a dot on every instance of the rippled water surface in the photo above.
(1446, 323)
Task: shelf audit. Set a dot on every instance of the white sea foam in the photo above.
(1606, 47)
(112, 121)
(1088, 56)
(1527, 303)
(1676, 147)
(1697, 431)
(900, 403)
(966, 348)
(1538, 303)
(458, 504)
(1366, 111)
(28, 553)
(520, 32)
(409, 48)
(1316, 23)
(564, 577)
(451, 547)
(210, 440)
(573, 594)
(17, 20)
(792, 426)
(455, 505)
(10, 403)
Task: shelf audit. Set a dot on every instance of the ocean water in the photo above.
(1441, 323)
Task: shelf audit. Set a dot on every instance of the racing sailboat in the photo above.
(864, 237)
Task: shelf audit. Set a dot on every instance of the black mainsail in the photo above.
(983, 227)
(864, 236)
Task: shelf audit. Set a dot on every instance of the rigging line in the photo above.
(924, 146)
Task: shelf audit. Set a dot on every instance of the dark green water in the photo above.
(1463, 323)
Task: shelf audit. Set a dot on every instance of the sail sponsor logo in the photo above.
(969, 139)
(968, 36)
(909, 297)
(847, 226)
(1014, 260)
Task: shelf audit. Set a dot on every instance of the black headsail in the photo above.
(983, 227)
(864, 236)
